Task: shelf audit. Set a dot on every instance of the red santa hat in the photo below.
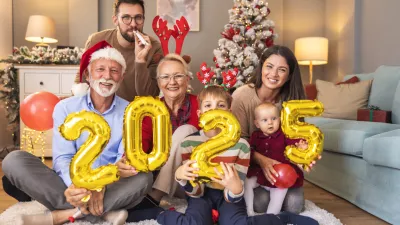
(101, 50)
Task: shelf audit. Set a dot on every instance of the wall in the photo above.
(199, 45)
(304, 19)
(82, 22)
(379, 34)
(22, 9)
(5, 50)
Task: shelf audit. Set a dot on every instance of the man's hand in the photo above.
(124, 169)
(230, 179)
(96, 202)
(74, 197)
(142, 50)
(185, 172)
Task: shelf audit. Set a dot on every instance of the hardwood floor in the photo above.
(343, 210)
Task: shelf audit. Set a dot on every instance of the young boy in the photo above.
(271, 142)
(226, 193)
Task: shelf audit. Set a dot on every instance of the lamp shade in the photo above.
(311, 50)
(41, 29)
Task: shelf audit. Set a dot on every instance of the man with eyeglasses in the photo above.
(141, 59)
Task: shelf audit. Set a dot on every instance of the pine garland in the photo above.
(9, 84)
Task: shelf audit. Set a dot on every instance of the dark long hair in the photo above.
(293, 88)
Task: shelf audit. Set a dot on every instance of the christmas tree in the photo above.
(248, 33)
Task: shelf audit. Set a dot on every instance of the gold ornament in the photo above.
(293, 128)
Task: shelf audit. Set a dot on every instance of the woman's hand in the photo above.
(230, 179)
(186, 172)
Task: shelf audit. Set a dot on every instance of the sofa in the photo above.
(361, 160)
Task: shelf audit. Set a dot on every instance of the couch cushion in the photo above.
(396, 106)
(384, 87)
(346, 136)
(343, 101)
(383, 149)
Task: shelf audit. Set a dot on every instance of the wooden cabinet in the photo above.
(57, 79)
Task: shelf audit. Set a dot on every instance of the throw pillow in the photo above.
(311, 89)
(343, 101)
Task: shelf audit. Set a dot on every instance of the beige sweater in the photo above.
(245, 100)
(139, 78)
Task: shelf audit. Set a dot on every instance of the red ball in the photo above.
(287, 175)
(36, 110)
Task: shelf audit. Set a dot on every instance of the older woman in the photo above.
(173, 81)
(277, 79)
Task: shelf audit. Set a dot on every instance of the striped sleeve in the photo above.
(241, 165)
(186, 148)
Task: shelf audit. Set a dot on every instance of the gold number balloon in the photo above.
(81, 172)
(293, 128)
(228, 137)
(162, 133)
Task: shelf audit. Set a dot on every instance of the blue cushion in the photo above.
(384, 86)
(383, 149)
(396, 106)
(347, 136)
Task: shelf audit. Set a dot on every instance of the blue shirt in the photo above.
(64, 150)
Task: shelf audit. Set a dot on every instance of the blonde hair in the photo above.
(265, 105)
(215, 91)
(176, 58)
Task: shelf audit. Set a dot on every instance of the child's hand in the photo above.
(230, 179)
(302, 144)
(185, 172)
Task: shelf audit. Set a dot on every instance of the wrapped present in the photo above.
(374, 114)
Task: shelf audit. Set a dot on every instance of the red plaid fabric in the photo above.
(183, 114)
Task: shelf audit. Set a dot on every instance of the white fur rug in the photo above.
(8, 217)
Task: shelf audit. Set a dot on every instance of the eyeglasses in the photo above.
(127, 19)
(166, 78)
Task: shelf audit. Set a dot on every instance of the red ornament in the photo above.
(227, 60)
(216, 65)
(269, 42)
(215, 215)
(287, 175)
(268, 11)
(36, 110)
(271, 30)
(248, 27)
(215, 59)
(258, 6)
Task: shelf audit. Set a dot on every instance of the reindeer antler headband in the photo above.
(228, 78)
(181, 29)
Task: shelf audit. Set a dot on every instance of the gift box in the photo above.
(374, 115)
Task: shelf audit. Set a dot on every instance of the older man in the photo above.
(54, 189)
(141, 59)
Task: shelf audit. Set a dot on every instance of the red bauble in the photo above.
(36, 110)
(214, 59)
(216, 65)
(269, 42)
(258, 6)
(287, 175)
(227, 60)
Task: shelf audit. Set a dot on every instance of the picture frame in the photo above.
(172, 10)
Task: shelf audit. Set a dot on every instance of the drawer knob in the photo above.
(41, 83)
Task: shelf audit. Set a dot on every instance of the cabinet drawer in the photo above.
(67, 80)
(35, 82)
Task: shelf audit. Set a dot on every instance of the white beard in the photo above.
(104, 92)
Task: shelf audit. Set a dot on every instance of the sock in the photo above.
(39, 219)
(147, 202)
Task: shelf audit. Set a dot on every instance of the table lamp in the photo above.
(311, 51)
(41, 29)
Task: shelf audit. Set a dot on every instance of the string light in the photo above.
(30, 139)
